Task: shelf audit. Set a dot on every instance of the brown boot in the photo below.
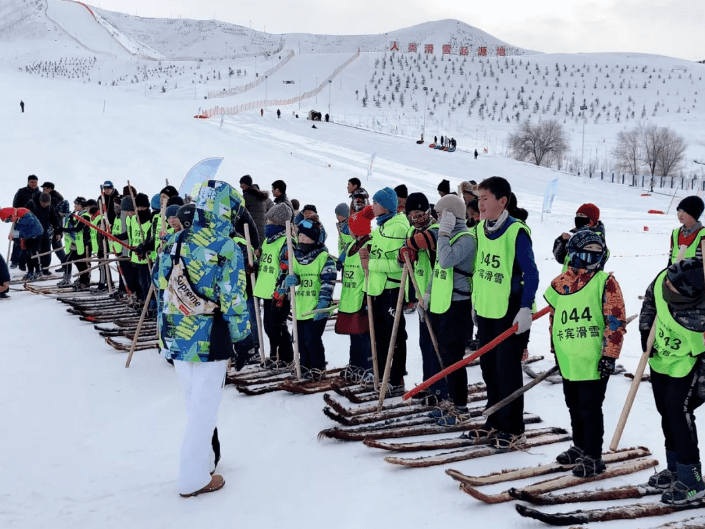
(217, 483)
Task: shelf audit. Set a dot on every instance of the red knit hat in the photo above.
(591, 211)
(360, 222)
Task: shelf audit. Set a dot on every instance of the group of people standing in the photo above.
(471, 259)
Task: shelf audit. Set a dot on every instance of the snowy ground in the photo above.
(87, 443)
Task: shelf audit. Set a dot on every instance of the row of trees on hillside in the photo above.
(657, 150)
(648, 147)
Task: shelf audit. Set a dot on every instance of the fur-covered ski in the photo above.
(409, 429)
(474, 452)
(125, 346)
(389, 416)
(328, 383)
(369, 395)
(562, 482)
(624, 492)
(616, 512)
(52, 277)
(455, 442)
(420, 417)
(363, 411)
(503, 476)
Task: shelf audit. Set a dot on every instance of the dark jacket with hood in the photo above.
(24, 195)
(258, 204)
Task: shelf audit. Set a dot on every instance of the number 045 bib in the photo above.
(492, 280)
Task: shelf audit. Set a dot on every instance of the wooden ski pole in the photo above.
(393, 340)
(468, 359)
(419, 296)
(638, 374)
(9, 242)
(633, 388)
(145, 308)
(104, 223)
(373, 342)
(253, 279)
(292, 295)
(49, 252)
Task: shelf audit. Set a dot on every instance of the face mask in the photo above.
(581, 222)
(306, 247)
(271, 230)
(678, 301)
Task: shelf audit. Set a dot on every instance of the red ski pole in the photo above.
(477, 354)
(102, 232)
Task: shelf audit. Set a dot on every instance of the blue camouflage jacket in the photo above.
(215, 267)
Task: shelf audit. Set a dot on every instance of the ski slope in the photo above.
(88, 443)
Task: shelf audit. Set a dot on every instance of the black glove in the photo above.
(251, 268)
(606, 366)
(644, 339)
(141, 251)
(244, 350)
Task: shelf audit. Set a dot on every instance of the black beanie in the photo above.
(169, 191)
(142, 200)
(402, 191)
(175, 201)
(444, 186)
(693, 206)
(247, 180)
(416, 201)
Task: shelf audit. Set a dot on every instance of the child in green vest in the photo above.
(97, 242)
(691, 233)
(675, 303)
(315, 274)
(448, 301)
(384, 281)
(271, 271)
(505, 281)
(420, 248)
(76, 239)
(587, 326)
(342, 212)
(352, 311)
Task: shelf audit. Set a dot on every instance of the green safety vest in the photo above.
(94, 233)
(344, 241)
(269, 268)
(423, 268)
(352, 295)
(675, 348)
(386, 242)
(116, 247)
(442, 286)
(309, 285)
(690, 252)
(494, 263)
(75, 238)
(578, 327)
(137, 234)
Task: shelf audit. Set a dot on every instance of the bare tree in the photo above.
(652, 146)
(672, 153)
(628, 151)
(541, 144)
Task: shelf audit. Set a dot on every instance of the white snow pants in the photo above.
(203, 384)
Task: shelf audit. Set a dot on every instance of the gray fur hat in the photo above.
(452, 203)
(343, 210)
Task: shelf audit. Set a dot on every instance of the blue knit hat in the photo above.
(156, 203)
(171, 211)
(387, 198)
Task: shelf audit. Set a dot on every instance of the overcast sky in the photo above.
(666, 27)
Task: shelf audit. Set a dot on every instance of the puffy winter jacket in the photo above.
(258, 204)
(27, 226)
(24, 195)
(215, 269)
